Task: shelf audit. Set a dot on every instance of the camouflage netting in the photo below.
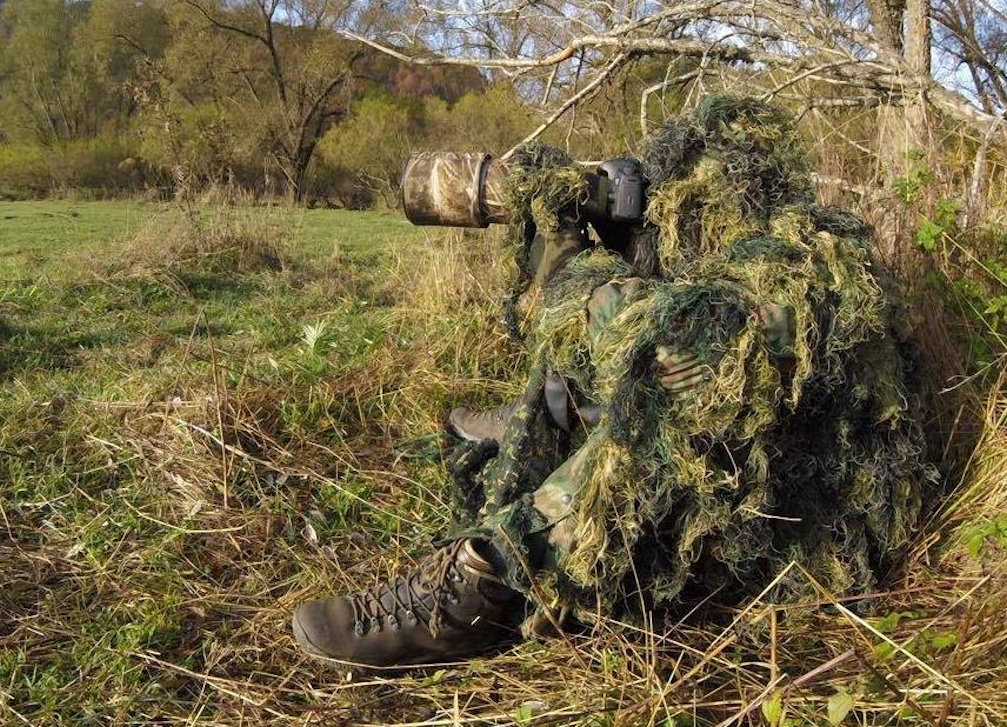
(799, 447)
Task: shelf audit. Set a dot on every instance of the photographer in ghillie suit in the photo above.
(713, 393)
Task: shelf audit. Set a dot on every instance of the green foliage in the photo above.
(924, 643)
(374, 142)
(981, 536)
(839, 706)
(978, 290)
(942, 640)
(889, 623)
(492, 120)
(24, 171)
(195, 99)
(917, 181)
(969, 266)
(376, 139)
(773, 709)
(100, 167)
(65, 70)
(884, 651)
(913, 190)
(200, 140)
(524, 715)
(942, 223)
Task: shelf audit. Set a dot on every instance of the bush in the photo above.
(219, 242)
(24, 173)
(94, 167)
(372, 145)
(493, 121)
(369, 149)
(199, 142)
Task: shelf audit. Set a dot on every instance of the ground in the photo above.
(208, 414)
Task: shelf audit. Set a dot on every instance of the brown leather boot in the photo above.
(452, 606)
(477, 426)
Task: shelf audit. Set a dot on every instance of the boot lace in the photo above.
(417, 597)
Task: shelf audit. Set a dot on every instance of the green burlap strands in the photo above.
(802, 444)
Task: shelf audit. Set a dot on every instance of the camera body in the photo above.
(624, 189)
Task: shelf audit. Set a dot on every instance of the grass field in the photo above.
(185, 445)
(207, 417)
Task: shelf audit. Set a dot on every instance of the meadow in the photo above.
(211, 413)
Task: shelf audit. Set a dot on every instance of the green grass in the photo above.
(168, 432)
(63, 296)
(36, 236)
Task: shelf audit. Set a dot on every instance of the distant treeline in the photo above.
(164, 97)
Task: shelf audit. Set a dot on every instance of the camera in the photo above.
(467, 190)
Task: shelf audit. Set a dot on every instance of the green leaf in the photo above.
(928, 234)
(434, 679)
(946, 213)
(944, 640)
(976, 537)
(524, 714)
(891, 622)
(772, 709)
(840, 705)
(975, 543)
(884, 651)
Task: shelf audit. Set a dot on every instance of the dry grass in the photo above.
(150, 575)
(206, 240)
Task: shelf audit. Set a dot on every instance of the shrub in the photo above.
(374, 142)
(217, 241)
(24, 172)
(369, 149)
(95, 167)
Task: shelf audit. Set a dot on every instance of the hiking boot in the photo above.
(477, 426)
(451, 606)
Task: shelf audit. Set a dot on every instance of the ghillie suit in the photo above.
(799, 443)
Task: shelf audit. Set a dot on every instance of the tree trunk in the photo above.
(917, 44)
(917, 54)
(886, 17)
(903, 139)
(903, 131)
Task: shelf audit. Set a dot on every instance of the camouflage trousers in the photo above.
(530, 487)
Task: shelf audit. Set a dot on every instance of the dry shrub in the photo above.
(449, 308)
(980, 504)
(206, 241)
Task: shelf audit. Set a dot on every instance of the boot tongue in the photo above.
(470, 560)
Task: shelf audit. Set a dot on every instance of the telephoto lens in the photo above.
(454, 190)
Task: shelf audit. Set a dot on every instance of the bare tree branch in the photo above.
(808, 44)
(586, 92)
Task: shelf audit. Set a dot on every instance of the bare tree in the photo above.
(841, 53)
(288, 69)
(971, 36)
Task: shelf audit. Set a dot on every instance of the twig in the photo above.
(585, 92)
